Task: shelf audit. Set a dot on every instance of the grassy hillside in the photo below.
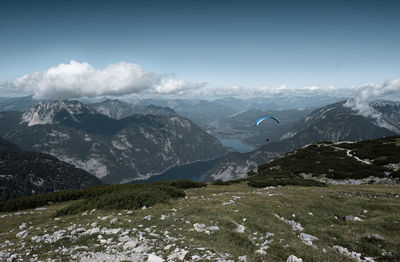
(376, 160)
(223, 222)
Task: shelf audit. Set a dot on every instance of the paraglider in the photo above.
(258, 121)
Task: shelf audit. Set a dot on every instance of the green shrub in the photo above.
(236, 181)
(124, 197)
(339, 174)
(219, 182)
(105, 196)
(251, 173)
(395, 174)
(40, 200)
(182, 184)
(260, 181)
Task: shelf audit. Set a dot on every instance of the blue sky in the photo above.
(223, 43)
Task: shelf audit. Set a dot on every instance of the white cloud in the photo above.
(75, 80)
(176, 86)
(360, 103)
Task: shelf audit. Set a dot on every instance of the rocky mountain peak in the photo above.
(54, 112)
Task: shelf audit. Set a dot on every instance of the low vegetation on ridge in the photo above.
(125, 196)
(332, 160)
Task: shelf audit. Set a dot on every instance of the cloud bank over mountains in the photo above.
(75, 80)
(360, 104)
(80, 79)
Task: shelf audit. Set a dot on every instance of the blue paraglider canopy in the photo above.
(258, 121)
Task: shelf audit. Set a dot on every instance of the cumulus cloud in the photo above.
(361, 103)
(75, 80)
(176, 86)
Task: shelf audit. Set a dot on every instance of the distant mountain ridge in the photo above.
(118, 109)
(335, 122)
(24, 173)
(389, 112)
(16, 103)
(116, 151)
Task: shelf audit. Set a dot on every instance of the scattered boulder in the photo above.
(293, 258)
(351, 218)
(92, 231)
(154, 258)
(178, 254)
(131, 244)
(123, 238)
(230, 202)
(213, 228)
(269, 234)
(307, 239)
(239, 228)
(203, 228)
(295, 225)
(22, 234)
(375, 237)
(345, 252)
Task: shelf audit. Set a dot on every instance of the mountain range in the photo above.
(121, 142)
(115, 150)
